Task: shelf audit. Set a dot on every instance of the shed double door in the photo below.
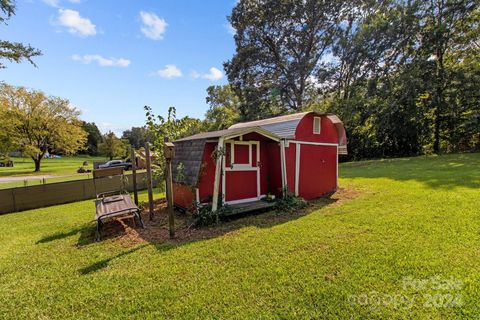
(241, 179)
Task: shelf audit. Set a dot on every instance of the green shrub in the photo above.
(205, 217)
(290, 203)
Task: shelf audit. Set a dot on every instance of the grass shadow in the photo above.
(104, 262)
(63, 235)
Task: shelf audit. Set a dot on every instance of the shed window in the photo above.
(316, 125)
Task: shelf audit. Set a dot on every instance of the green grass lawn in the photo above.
(58, 167)
(62, 169)
(403, 242)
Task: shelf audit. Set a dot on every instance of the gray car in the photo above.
(116, 163)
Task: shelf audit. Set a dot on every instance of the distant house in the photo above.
(296, 153)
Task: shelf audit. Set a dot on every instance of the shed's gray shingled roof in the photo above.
(283, 126)
(190, 153)
(209, 135)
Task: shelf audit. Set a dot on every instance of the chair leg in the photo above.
(97, 233)
(139, 216)
(134, 221)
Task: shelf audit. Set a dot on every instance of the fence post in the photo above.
(14, 200)
(133, 159)
(169, 153)
(149, 179)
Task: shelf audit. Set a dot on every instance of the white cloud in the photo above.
(101, 61)
(213, 74)
(75, 23)
(170, 71)
(153, 27)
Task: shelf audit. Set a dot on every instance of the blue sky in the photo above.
(112, 57)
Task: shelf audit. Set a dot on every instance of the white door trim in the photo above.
(242, 167)
(297, 168)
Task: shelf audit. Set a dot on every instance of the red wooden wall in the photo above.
(328, 132)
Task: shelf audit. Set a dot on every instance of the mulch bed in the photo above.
(156, 230)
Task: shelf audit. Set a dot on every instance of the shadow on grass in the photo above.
(104, 263)
(62, 235)
(445, 171)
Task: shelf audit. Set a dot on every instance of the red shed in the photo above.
(296, 153)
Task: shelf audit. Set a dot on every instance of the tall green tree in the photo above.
(136, 136)
(112, 147)
(168, 127)
(402, 75)
(36, 124)
(224, 105)
(14, 51)
(442, 21)
(94, 137)
(280, 46)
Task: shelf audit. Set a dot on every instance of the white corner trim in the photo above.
(337, 168)
(297, 168)
(283, 166)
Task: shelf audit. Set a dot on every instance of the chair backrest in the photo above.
(107, 172)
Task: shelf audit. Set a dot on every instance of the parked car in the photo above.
(116, 163)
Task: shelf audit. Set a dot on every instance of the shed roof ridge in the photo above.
(262, 122)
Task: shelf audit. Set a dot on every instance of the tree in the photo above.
(136, 136)
(171, 128)
(112, 147)
(402, 75)
(94, 137)
(443, 20)
(14, 51)
(37, 124)
(224, 106)
(279, 49)
(6, 143)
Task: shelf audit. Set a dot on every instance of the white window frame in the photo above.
(241, 167)
(319, 125)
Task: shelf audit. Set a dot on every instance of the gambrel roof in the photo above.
(189, 150)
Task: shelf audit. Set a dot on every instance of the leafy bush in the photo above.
(290, 203)
(205, 217)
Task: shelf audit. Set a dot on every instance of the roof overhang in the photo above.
(259, 130)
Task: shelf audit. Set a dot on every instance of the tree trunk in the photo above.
(436, 132)
(37, 164)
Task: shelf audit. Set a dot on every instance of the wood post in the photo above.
(169, 153)
(218, 173)
(133, 159)
(149, 179)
